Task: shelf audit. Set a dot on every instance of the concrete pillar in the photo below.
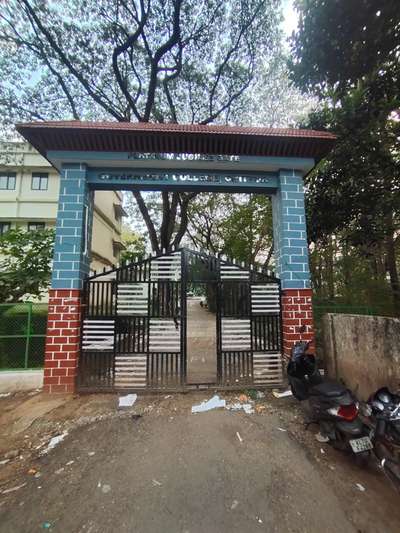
(71, 262)
(291, 256)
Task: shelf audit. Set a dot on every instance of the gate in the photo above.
(134, 324)
(249, 328)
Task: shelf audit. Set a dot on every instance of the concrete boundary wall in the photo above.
(362, 351)
(20, 380)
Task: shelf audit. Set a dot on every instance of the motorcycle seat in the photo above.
(330, 389)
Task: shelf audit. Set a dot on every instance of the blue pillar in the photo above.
(73, 230)
(290, 232)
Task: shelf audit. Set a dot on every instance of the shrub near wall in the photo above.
(22, 335)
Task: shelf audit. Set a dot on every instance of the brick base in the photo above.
(296, 312)
(62, 340)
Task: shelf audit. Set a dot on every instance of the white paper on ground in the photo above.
(128, 400)
(207, 405)
(237, 406)
(53, 442)
(282, 394)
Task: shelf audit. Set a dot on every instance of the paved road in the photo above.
(178, 473)
(201, 343)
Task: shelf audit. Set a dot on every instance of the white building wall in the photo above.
(23, 205)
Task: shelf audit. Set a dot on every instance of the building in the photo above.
(29, 190)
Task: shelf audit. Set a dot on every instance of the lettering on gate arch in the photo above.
(165, 177)
(171, 156)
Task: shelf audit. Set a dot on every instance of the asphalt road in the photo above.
(216, 472)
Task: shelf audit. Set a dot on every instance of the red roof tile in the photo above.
(185, 138)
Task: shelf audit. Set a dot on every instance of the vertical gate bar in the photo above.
(183, 318)
(251, 316)
(149, 359)
(28, 334)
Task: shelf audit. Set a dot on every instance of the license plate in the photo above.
(361, 445)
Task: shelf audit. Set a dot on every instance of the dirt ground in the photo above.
(156, 467)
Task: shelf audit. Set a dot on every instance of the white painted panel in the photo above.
(130, 371)
(98, 334)
(267, 368)
(235, 334)
(265, 299)
(164, 336)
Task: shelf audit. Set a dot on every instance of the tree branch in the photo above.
(67, 63)
(166, 47)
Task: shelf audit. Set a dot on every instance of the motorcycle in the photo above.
(382, 416)
(332, 406)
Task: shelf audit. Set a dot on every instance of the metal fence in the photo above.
(22, 335)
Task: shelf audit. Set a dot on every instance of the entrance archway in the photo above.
(126, 156)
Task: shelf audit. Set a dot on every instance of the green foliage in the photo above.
(238, 225)
(135, 247)
(347, 54)
(247, 229)
(340, 42)
(25, 263)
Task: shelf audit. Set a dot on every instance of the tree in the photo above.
(140, 60)
(355, 71)
(25, 263)
(133, 60)
(342, 42)
(247, 229)
(237, 225)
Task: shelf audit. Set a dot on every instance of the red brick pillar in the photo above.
(296, 312)
(62, 340)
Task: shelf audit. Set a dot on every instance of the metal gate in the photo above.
(134, 324)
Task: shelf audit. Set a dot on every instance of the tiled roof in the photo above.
(185, 138)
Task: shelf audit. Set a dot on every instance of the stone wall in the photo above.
(362, 351)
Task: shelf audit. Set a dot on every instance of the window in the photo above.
(7, 181)
(34, 226)
(4, 227)
(40, 181)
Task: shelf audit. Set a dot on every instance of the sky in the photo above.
(290, 17)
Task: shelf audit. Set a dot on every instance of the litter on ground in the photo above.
(237, 406)
(360, 487)
(127, 401)
(321, 438)
(207, 405)
(283, 394)
(238, 436)
(13, 489)
(54, 442)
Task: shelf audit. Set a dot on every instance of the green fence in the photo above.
(22, 335)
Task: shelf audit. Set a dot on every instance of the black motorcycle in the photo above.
(332, 406)
(382, 415)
